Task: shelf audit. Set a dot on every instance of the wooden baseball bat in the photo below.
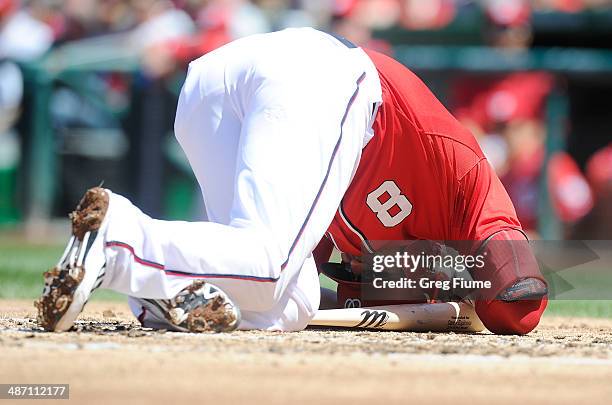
(437, 317)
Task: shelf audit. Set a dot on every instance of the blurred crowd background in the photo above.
(88, 90)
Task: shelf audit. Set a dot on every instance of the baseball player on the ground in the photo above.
(295, 137)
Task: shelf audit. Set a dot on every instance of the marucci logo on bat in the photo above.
(373, 319)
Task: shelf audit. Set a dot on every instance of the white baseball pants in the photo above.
(273, 126)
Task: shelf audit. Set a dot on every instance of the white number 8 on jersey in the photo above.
(396, 199)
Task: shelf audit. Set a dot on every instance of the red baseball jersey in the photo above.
(422, 176)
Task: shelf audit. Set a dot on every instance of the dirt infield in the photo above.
(110, 358)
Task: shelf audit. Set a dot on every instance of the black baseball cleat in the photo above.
(523, 290)
(81, 268)
(200, 307)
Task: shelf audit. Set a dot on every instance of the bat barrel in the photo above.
(437, 317)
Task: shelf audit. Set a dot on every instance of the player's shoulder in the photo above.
(459, 150)
(408, 103)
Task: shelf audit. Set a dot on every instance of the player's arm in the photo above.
(518, 294)
(322, 252)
